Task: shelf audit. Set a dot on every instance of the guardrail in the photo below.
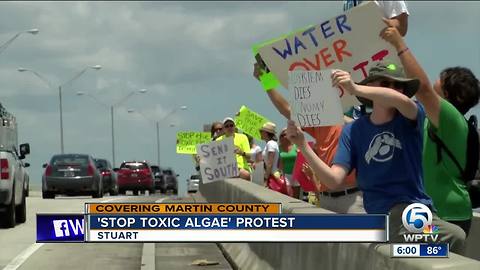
(263, 256)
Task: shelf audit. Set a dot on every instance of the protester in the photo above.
(254, 152)
(288, 155)
(453, 94)
(384, 147)
(216, 130)
(270, 153)
(397, 13)
(342, 199)
(242, 147)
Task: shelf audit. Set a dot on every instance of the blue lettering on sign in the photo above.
(312, 37)
(341, 20)
(298, 43)
(326, 31)
(286, 52)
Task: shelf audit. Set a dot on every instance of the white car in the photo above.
(193, 182)
(13, 186)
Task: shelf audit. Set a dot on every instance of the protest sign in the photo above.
(187, 141)
(314, 101)
(350, 42)
(250, 122)
(217, 160)
(305, 183)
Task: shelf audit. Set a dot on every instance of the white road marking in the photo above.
(22, 257)
(148, 256)
(148, 251)
(161, 200)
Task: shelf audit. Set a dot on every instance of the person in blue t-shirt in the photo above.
(385, 149)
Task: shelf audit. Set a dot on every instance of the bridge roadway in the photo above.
(18, 249)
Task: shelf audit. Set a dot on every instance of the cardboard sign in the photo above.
(298, 175)
(250, 122)
(187, 141)
(313, 99)
(217, 160)
(350, 42)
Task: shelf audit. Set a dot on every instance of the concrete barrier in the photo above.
(263, 256)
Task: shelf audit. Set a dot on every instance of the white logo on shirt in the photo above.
(382, 147)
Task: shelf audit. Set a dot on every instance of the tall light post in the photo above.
(112, 107)
(50, 85)
(5, 45)
(157, 125)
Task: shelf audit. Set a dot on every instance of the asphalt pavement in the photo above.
(18, 249)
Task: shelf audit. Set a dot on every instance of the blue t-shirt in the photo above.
(388, 160)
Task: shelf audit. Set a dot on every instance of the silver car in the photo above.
(192, 183)
(71, 174)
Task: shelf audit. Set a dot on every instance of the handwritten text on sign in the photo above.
(250, 122)
(313, 99)
(187, 141)
(349, 42)
(217, 160)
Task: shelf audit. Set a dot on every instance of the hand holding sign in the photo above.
(343, 80)
(391, 35)
(313, 99)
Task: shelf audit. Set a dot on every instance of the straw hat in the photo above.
(269, 127)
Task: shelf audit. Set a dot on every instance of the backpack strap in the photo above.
(441, 145)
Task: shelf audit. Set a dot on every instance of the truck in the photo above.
(14, 180)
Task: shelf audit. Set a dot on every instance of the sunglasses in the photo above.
(217, 129)
(228, 125)
(283, 135)
(392, 84)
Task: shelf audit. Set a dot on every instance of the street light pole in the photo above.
(113, 136)
(60, 103)
(157, 124)
(61, 118)
(158, 143)
(5, 45)
(112, 107)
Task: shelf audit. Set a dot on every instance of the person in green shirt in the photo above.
(453, 94)
(288, 155)
(242, 147)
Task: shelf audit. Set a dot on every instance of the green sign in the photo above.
(250, 122)
(187, 141)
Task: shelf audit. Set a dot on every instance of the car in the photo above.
(157, 175)
(168, 180)
(13, 185)
(135, 176)
(193, 183)
(109, 176)
(71, 174)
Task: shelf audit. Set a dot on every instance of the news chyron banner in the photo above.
(202, 222)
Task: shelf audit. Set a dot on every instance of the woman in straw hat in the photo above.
(271, 152)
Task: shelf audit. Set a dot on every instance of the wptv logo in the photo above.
(417, 219)
(68, 227)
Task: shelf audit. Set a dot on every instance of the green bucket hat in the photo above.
(393, 72)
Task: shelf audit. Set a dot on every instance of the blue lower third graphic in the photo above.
(60, 228)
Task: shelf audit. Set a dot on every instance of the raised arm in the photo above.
(425, 94)
(381, 95)
(333, 177)
(282, 105)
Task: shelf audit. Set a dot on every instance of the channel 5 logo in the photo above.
(417, 219)
(62, 227)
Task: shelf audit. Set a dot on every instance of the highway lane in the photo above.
(18, 249)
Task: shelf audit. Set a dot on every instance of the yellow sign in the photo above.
(187, 141)
(250, 122)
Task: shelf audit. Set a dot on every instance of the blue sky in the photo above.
(195, 54)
